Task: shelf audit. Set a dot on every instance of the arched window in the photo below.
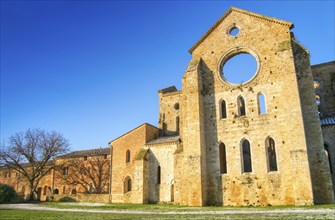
(261, 104)
(246, 156)
(23, 190)
(223, 158)
(91, 187)
(241, 106)
(45, 190)
(223, 109)
(328, 155)
(177, 124)
(128, 156)
(73, 191)
(127, 184)
(159, 175)
(65, 171)
(56, 191)
(271, 153)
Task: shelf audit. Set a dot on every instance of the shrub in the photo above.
(7, 193)
(67, 199)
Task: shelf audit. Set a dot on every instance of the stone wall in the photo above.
(161, 155)
(169, 110)
(269, 41)
(134, 142)
(324, 76)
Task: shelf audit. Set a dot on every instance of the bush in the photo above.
(7, 193)
(67, 199)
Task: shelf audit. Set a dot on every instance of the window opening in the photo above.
(241, 106)
(246, 156)
(261, 104)
(271, 151)
(159, 175)
(223, 158)
(177, 124)
(128, 156)
(223, 109)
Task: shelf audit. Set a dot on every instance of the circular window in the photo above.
(234, 31)
(239, 68)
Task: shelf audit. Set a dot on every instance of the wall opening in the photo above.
(271, 154)
(177, 123)
(127, 184)
(223, 158)
(246, 157)
(240, 106)
(128, 156)
(261, 104)
(223, 109)
(159, 175)
(239, 68)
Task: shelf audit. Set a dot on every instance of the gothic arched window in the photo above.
(241, 106)
(246, 156)
(271, 154)
(261, 104)
(128, 156)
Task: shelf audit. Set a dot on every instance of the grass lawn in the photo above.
(164, 211)
(159, 208)
(48, 215)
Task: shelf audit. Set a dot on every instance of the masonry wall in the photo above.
(161, 155)
(270, 43)
(324, 75)
(66, 184)
(324, 81)
(21, 185)
(133, 141)
(169, 110)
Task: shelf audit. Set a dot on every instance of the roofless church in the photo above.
(267, 141)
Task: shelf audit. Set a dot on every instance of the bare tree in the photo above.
(30, 154)
(92, 174)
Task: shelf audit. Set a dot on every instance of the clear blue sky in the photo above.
(91, 69)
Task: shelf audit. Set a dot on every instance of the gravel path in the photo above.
(223, 212)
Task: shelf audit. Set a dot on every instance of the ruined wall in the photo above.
(269, 41)
(319, 166)
(168, 111)
(192, 134)
(324, 77)
(161, 155)
(324, 84)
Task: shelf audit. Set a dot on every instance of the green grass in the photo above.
(51, 215)
(171, 207)
(159, 211)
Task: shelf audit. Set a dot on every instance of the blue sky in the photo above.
(91, 69)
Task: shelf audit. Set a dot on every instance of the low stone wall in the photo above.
(81, 197)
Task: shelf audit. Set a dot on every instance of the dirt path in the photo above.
(223, 212)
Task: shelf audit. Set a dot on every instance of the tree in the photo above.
(92, 174)
(30, 154)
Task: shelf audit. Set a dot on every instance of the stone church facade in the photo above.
(267, 141)
(214, 146)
